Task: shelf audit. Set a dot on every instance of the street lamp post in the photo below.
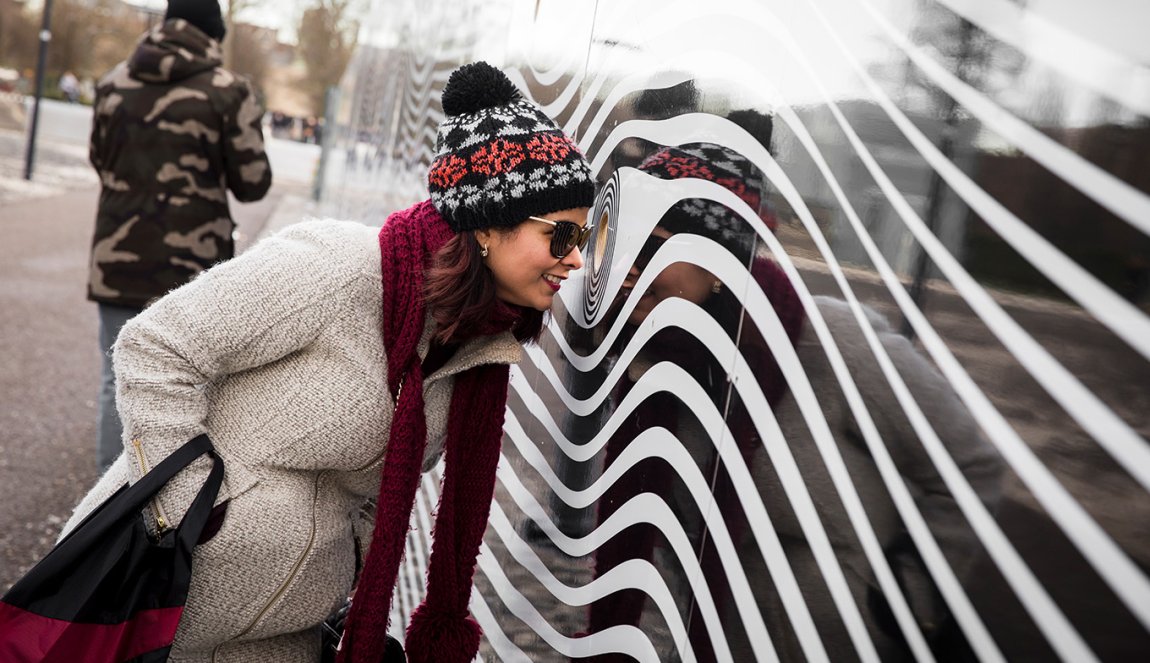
(41, 64)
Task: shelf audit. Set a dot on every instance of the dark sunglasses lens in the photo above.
(584, 235)
(650, 248)
(564, 238)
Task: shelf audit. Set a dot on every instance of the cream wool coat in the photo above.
(278, 356)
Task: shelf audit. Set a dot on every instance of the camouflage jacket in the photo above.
(172, 132)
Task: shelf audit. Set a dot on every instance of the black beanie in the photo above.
(204, 14)
(499, 158)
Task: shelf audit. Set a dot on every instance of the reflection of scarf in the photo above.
(441, 629)
(663, 409)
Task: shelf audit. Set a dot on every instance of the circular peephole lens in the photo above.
(602, 230)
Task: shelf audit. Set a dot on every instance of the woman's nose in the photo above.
(574, 260)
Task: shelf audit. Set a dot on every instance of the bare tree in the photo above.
(327, 38)
(88, 38)
(251, 51)
(232, 11)
(18, 36)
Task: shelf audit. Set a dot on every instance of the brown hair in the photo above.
(459, 291)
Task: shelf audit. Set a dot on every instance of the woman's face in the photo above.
(526, 274)
(681, 279)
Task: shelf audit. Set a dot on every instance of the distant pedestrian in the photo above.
(70, 87)
(172, 132)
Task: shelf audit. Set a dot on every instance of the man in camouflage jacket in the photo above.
(172, 132)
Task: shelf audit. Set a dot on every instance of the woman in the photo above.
(956, 429)
(332, 363)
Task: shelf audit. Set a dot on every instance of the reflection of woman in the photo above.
(695, 284)
(332, 363)
(980, 464)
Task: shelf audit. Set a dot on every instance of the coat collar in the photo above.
(500, 348)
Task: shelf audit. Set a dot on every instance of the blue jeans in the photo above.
(109, 431)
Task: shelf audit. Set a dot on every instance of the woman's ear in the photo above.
(483, 236)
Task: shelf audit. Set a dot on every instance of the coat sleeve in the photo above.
(247, 312)
(248, 171)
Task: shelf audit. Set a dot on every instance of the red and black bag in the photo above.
(110, 592)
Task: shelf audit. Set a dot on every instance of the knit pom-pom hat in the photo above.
(702, 216)
(498, 158)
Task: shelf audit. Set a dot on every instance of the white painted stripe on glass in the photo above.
(660, 443)
(504, 648)
(1089, 64)
(635, 574)
(627, 640)
(1103, 188)
(1108, 559)
(643, 508)
(554, 107)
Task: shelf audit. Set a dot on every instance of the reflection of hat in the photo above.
(204, 14)
(723, 166)
(498, 158)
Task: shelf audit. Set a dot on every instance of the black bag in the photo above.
(110, 592)
(333, 633)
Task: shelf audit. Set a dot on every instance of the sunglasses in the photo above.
(650, 248)
(567, 236)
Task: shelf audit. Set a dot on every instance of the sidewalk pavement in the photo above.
(57, 168)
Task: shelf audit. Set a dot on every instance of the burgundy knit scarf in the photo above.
(441, 629)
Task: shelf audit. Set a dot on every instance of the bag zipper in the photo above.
(161, 519)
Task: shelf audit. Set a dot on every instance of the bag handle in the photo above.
(198, 513)
(127, 502)
(151, 483)
(131, 499)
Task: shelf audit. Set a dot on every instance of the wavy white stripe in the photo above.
(627, 640)
(725, 267)
(643, 508)
(504, 648)
(1089, 64)
(660, 443)
(554, 107)
(1108, 191)
(631, 574)
(1108, 559)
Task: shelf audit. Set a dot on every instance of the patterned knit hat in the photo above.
(702, 216)
(498, 158)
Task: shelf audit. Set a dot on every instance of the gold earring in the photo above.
(483, 252)
(717, 287)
